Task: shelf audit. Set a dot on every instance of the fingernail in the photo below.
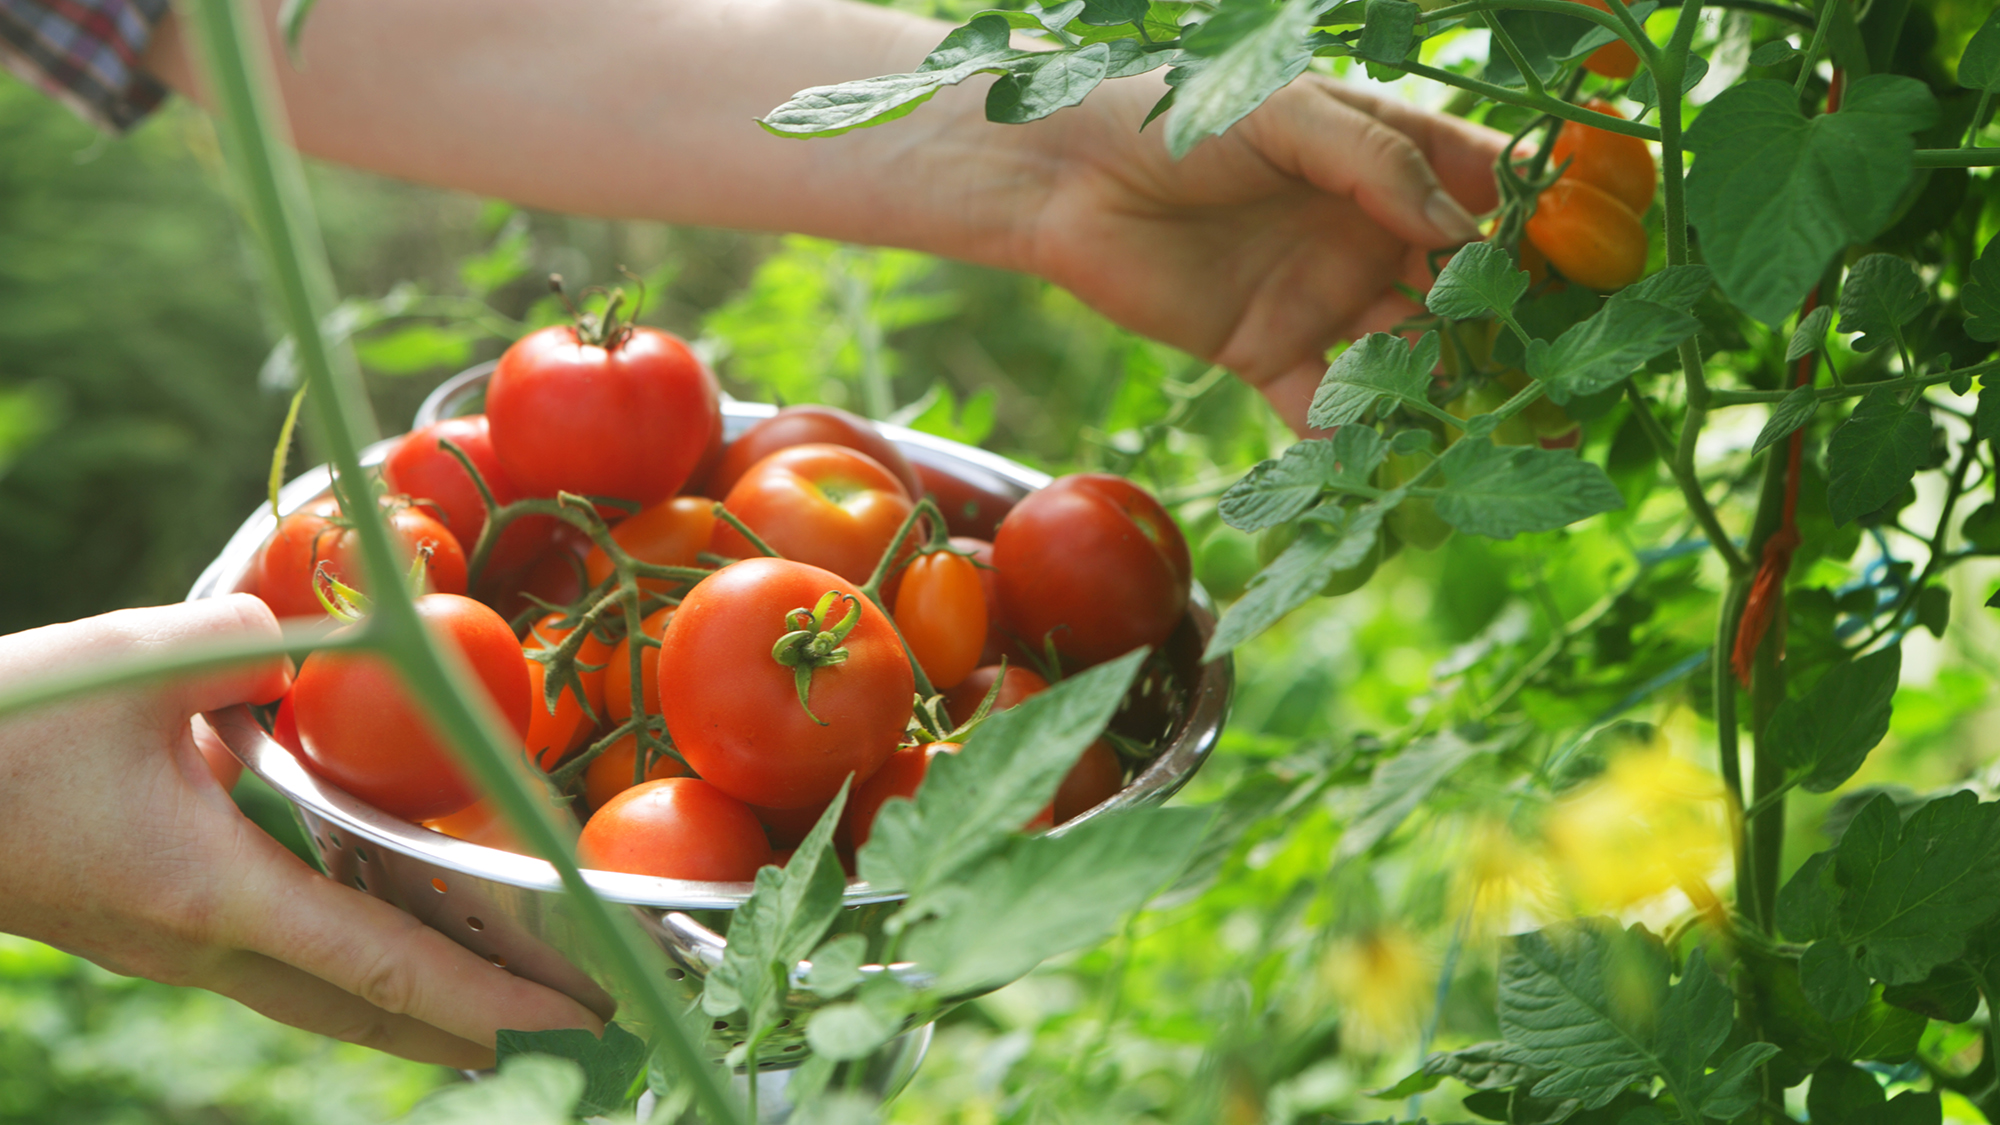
(1446, 215)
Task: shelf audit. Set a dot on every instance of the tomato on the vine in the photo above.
(628, 417)
(1094, 563)
(552, 735)
(420, 466)
(1620, 165)
(962, 702)
(618, 670)
(673, 533)
(825, 505)
(1588, 234)
(734, 711)
(1415, 521)
(1616, 59)
(610, 773)
(360, 729)
(675, 828)
(317, 534)
(809, 425)
(941, 609)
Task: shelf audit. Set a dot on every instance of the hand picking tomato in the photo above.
(941, 609)
(618, 670)
(360, 729)
(810, 425)
(673, 533)
(626, 416)
(775, 734)
(1588, 235)
(824, 505)
(316, 534)
(1094, 563)
(1622, 166)
(676, 828)
(610, 773)
(422, 467)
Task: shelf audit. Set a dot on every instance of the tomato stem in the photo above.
(812, 644)
(756, 541)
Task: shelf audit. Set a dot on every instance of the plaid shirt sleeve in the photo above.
(85, 54)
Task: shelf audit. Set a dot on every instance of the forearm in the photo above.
(645, 109)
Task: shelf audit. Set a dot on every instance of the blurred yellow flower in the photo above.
(1382, 983)
(1651, 823)
(1502, 882)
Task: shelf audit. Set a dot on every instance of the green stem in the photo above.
(1813, 48)
(756, 541)
(1956, 157)
(1553, 106)
(1513, 52)
(1690, 485)
(1722, 681)
(1619, 19)
(1829, 394)
(1978, 117)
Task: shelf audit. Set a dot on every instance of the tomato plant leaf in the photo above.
(1035, 87)
(609, 1063)
(1647, 92)
(1776, 195)
(972, 801)
(1794, 410)
(1402, 782)
(1377, 366)
(1677, 287)
(1547, 40)
(982, 45)
(1986, 416)
(836, 965)
(1480, 278)
(1280, 491)
(1694, 1024)
(1872, 456)
(1881, 295)
(1833, 984)
(1876, 1031)
(1603, 350)
(1823, 737)
(529, 1090)
(1502, 491)
(1980, 296)
(1810, 335)
(1773, 53)
(1109, 13)
(1390, 31)
(1323, 546)
(1046, 895)
(1581, 1003)
(1979, 66)
(1260, 58)
(857, 1028)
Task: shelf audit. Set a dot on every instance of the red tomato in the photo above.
(1613, 60)
(618, 671)
(676, 828)
(787, 827)
(610, 773)
(1588, 235)
(1620, 165)
(555, 576)
(673, 533)
(423, 468)
(285, 727)
(480, 823)
(899, 776)
(1096, 777)
(734, 711)
(809, 425)
(968, 509)
(628, 421)
(1095, 563)
(941, 609)
(314, 534)
(962, 702)
(361, 730)
(824, 505)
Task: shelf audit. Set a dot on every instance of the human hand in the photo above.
(1262, 247)
(123, 849)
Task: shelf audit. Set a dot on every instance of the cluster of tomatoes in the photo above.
(1588, 223)
(698, 641)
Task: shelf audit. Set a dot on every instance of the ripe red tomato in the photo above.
(941, 609)
(610, 773)
(618, 670)
(1095, 563)
(361, 730)
(1613, 60)
(421, 467)
(1097, 774)
(479, 823)
(1622, 166)
(315, 534)
(1588, 235)
(968, 509)
(629, 421)
(734, 711)
(809, 425)
(788, 827)
(673, 533)
(962, 702)
(676, 828)
(899, 776)
(824, 505)
(555, 576)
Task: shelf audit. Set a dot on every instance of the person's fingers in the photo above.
(293, 996)
(228, 618)
(1460, 152)
(288, 912)
(223, 765)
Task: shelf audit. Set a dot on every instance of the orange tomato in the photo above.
(1621, 165)
(618, 673)
(672, 533)
(610, 773)
(1613, 60)
(1588, 235)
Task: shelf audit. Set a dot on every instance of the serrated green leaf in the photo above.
(1322, 547)
(1877, 1031)
(854, 1029)
(1677, 287)
(1986, 416)
(1872, 456)
(972, 801)
(529, 1090)
(1390, 31)
(1280, 491)
(609, 1063)
(1773, 53)
(1823, 737)
(1807, 901)
(1794, 410)
(1979, 66)
(1378, 366)
(1934, 610)
(1502, 491)
(836, 965)
(1581, 1004)
(1840, 1092)
(1047, 895)
(1980, 296)
(1950, 993)
(1130, 57)
(1033, 88)
(1602, 351)
(1108, 13)
(1402, 783)
(1236, 81)
(1694, 1024)
(826, 111)
(1834, 984)
(1881, 295)
(1776, 195)
(1810, 335)
(1480, 278)
(1546, 40)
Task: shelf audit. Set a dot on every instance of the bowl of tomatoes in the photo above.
(625, 748)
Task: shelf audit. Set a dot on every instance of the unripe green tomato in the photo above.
(1552, 425)
(1485, 398)
(1415, 521)
(1273, 540)
(1228, 560)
